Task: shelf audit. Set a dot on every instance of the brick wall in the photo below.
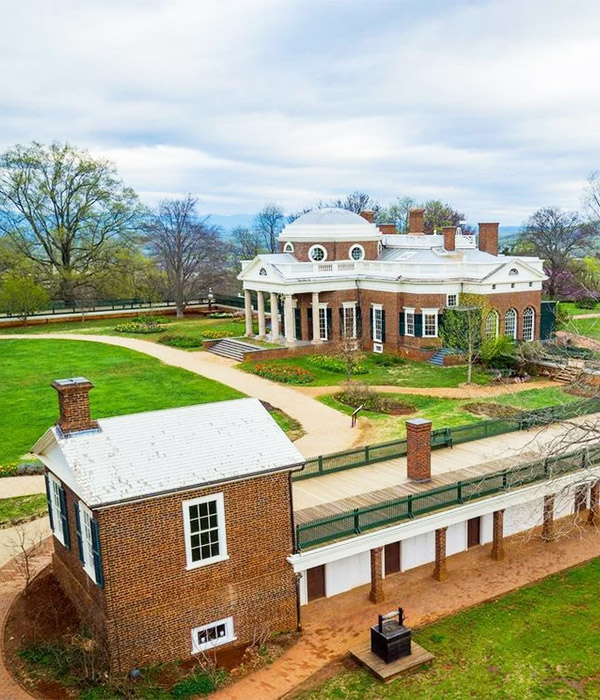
(418, 449)
(336, 250)
(518, 301)
(153, 602)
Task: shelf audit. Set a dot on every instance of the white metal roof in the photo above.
(159, 451)
(329, 224)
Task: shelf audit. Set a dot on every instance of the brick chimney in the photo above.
(388, 229)
(74, 404)
(369, 215)
(418, 449)
(449, 237)
(416, 218)
(488, 238)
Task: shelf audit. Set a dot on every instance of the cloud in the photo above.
(490, 105)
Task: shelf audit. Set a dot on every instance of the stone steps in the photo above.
(232, 348)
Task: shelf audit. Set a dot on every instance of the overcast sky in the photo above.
(492, 106)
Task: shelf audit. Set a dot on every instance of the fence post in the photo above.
(298, 545)
(356, 521)
(410, 506)
(504, 479)
(320, 464)
(367, 454)
(459, 491)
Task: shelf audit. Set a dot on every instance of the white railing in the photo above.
(434, 241)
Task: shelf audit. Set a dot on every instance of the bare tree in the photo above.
(555, 236)
(268, 223)
(187, 247)
(27, 546)
(247, 243)
(591, 198)
(60, 207)
(357, 201)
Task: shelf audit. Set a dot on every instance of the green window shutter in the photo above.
(97, 553)
(383, 325)
(298, 323)
(418, 325)
(49, 501)
(310, 326)
(64, 516)
(371, 323)
(341, 310)
(401, 323)
(78, 528)
(329, 320)
(359, 322)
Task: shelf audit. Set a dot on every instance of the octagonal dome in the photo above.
(330, 224)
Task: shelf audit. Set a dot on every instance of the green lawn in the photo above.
(21, 508)
(539, 642)
(573, 309)
(589, 327)
(419, 374)
(125, 382)
(449, 413)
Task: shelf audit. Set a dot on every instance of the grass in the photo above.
(22, 508)
(572, 308)
(450, 413)
(539, 642)
(417, 374)
(589, 327)
(290, 426)
(125, 382)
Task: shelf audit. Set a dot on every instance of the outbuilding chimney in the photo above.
(74, 404)
(388, 229)
(416, 218)
(488, 238)
(369, 215)
(418, 449)
(449, 237)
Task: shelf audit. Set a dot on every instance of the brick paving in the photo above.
(11, 584)
(331, 626)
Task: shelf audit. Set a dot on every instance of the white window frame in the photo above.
(376, 332)
(532, 316)
(228, 637)
(426, 313)
(409, 314)
(448, 297)
(495, 330)
(356, 246)
(87, 544)
(57, 521)
(312, 249)
(323, 322)
(288, 247)
(513, 335)
(349, 306)
(222, 556)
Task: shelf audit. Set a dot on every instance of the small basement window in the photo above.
(212, 635)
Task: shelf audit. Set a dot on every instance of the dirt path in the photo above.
(581, 341)
(327, 430)
(11, 486)
(29, 533)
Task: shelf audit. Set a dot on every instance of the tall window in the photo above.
(430, 323)
(86, 541)
(528, 323)
(409, 321)
(510, 324)
(491, 325)
(378, 324)
(204, 528)
(57, 510)
(349, 316)
(323, 324)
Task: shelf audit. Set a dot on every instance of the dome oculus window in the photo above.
(357, 252)
(317, 253)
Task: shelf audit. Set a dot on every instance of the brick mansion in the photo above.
(338, 274)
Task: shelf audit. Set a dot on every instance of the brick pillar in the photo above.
(548, 526)
(74, 404)
(439, 571)
(416, 217)
(488, 238)
(498, 535)
(369, 215)
(376, 594)
(449, 233)
(580, 498)
(418, 449)
(594, 512)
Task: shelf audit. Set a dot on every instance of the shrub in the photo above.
(216, 334)
(498, 353)
(198, 684)
(335, 363)
(151, 319)
(222, 314)
(181, 341)
(287, 374)
(355, 395)
(588, 302)
(9, 470)
(386, 360)
(142, 328)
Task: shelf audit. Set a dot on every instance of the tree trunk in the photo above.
(179, 309)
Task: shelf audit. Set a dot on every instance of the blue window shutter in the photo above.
(64, 516)
(78, 526)
(97, 553)
(49, 501)
(401, 323)
(418, 325)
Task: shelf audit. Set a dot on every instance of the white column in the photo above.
(315, 318)
(248, 311)
(262, 326)
(290, 326)
(274, 318)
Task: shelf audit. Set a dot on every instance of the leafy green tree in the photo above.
(21, 295)
(61, 208)
(462, 330)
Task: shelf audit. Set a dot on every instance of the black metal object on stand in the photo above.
(390, 638)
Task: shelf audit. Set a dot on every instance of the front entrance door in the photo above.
(473, 532)
(315, 582)
(392, 558)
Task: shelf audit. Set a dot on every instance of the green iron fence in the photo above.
(446, 437)
(359, 520)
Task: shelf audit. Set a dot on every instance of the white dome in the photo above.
(330, 224)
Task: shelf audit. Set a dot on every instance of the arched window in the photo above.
(491, 325)
(513, 271)
(262, 272)
(510, 324)
(528, 323)
(288, 247)
(317, 253)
